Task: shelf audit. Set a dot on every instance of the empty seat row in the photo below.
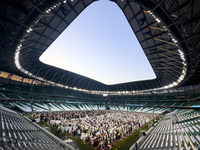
(170, 135)
(19, 134)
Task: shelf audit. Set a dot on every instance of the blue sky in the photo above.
(101, 45)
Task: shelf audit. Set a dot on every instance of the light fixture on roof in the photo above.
(29, 30)
(166, 87)
(184, 63)
(157, 20)
(174, 83)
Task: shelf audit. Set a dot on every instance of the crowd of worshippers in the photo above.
(97, 127)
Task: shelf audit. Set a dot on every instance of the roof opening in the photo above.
(101, 45)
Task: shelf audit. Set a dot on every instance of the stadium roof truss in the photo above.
(168, 31)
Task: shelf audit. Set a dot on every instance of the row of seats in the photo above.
(170, 134)
(19, 134)
(187, 114)
(64, 92)
(27, 97)
(40, 107)
(149, 110)
(47, 90)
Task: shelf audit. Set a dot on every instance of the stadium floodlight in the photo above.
(166, 87)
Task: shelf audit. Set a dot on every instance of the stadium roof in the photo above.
(167, 30)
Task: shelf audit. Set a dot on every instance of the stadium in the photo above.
(46, 107)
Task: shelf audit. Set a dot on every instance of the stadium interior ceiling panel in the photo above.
(163, 27)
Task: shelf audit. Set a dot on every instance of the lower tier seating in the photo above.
(16, 133)
(170, 134)
(41, 107)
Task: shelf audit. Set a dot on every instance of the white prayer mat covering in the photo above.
(101, 125)
(55, 121)
(37, 120)
(68, 140)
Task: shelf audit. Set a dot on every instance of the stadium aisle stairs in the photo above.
(65, 107)
(74, 106)
(44, 107)
(81, 107)
(52, 107)
(23, 107)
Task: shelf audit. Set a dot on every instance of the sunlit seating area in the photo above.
(18, 133)
(187, 114)
(172, 134)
